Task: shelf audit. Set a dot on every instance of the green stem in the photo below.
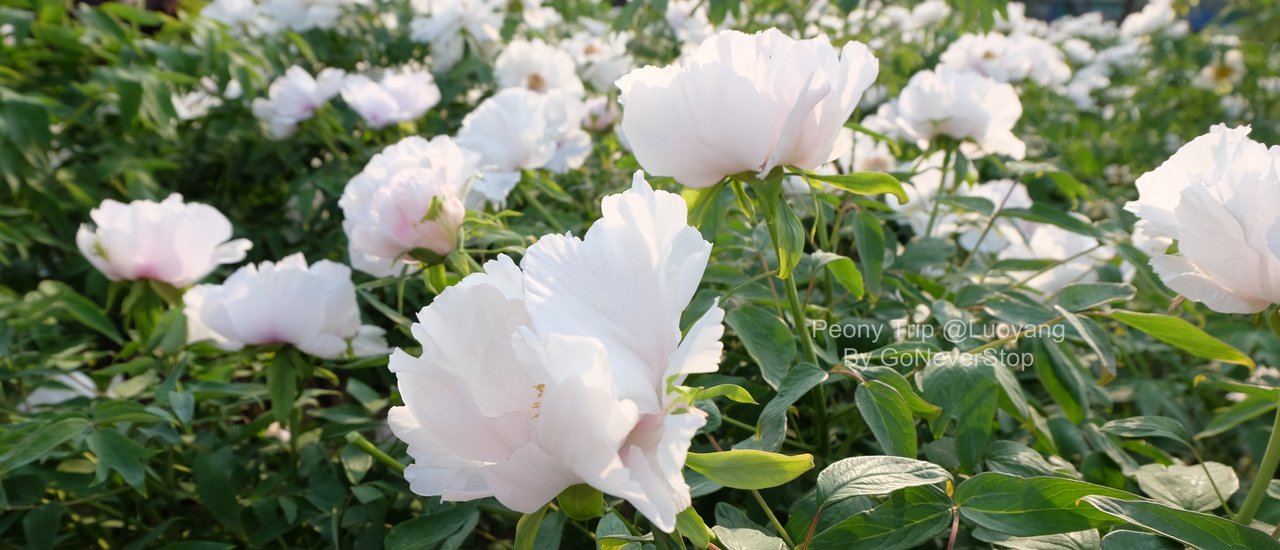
(782, 531)
(368, 447)
(942, 186)
(523, 189)
(1266, 470)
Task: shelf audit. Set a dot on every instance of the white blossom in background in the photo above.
(601, 60)
(294, 97)
(448, 25)
(1078, 50)
(399, 96)
(170, 241)
(410, 196)
(1080, 256)
(197, 103)
(1008, 59)
(1089, 25)
(744, 103)
(1223, 73)
(689, 21)
(1155, 16)
(537, 377)
(305, 15)
(516, 130)
(537, 16)
(240, 15)
(601, 114)
(64, 387)
(1218, 198)
(962, 105)
(1080, 90)
(536, 66)
(313, 308)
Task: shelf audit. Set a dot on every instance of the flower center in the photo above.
(536, 83)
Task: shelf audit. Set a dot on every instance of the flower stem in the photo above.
(1266, 470)
(782, 531)
(368, 447)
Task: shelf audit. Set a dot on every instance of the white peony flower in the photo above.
(516, 130)
(240, 15)
(305, 15)
(294, 97)
(448, 24)
(601, 60)
(536, 66)
(312, 308)
(1154, 16)
(743, 103)
(400, 96)
(1008, 59)
(408, 197)
(171, 241)
(962, 105)
(1218, 197)
(1224, 73)
(538, 377)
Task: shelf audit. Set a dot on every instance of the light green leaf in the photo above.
(749, 468)
(866, 183)
(1183, 335)
(844, 270)
(1083, 296)
(1188, 487)
(581, 502)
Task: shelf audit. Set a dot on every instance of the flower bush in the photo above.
(682, 274)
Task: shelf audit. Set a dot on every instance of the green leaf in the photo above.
(690, 525)
(1183, 335)
(1045, 213)
(868, 237)
(527, 528)
(746, 539)
(1149, 426)
(844, 270)
(768, 340)
(38, 443)
(1034, 506)
(213, 483)
(875, 475)
(1188, 487)
(81, 309)
(581, 502)
(887, 414)
(906, 520)
(40, 526)
(282, 385)
(895, 379)
(749, 468)
(117, 452)
(771, 428)
(1079, 540)
(866, 183)
(1082, 296)
(1236, 415)
(968, 392)
(428, 531)
(1191, 528)
(1122, 539)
